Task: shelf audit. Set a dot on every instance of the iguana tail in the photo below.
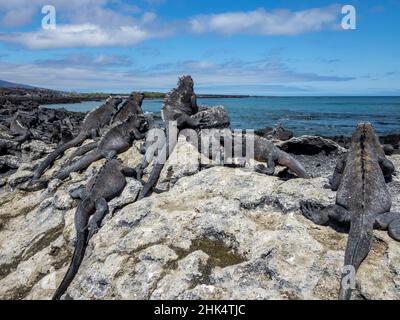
(79, 253)
(79, 165)
(358, 247)
(56, 153)
(288, 161)
(81, 151)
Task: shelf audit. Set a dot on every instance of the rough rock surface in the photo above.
(218, 233)
(310, 145)
(217, 117)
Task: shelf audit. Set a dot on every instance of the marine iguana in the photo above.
(93, 123)
(132, 106)
(105, 186)
(266, 151)
(179, 105)
(362, 200)
(117, 140)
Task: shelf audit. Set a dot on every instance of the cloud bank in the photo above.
(262, 22)
(92, 23)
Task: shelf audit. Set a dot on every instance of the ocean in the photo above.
(327, 116)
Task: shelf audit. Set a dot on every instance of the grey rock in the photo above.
(311, 145)
(218, 233)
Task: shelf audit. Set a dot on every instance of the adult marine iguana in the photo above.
(105, 186)
(179, 105)
(132, 106)
(266, 151)
(362, 200)
(117, 140)
(93, 123)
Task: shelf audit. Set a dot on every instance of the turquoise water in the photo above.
(303, 115)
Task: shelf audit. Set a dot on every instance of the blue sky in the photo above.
(239, 47)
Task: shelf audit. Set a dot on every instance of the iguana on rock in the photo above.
(105, 186)
(362, 200)
(117, 140)
(93, 123)
(179, 105)
(266, 151)
(132, 106)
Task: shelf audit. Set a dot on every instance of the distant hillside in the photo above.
(6, 84)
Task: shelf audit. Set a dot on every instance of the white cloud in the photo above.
(80, 35)
(92, 23)
(81, 24)
(262, 22)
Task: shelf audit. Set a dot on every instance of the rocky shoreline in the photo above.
(216, 233)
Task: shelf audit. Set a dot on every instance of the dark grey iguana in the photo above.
(132, 106)
(117, 140)
(266, 151)
(105, 186)
(93, 123)
(362, 200)
(179, 105)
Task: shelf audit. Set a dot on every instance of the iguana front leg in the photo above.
(186, 122)
(95, 222)
(389, 221)
(270, 170)
(321, 215)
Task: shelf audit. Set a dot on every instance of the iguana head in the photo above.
(139, 122)
(185, 82)
(137, 97)
(364, 132)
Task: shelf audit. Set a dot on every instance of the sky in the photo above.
(273, 48)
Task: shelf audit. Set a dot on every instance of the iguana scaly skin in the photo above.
(362, 200)
(108, 184)
(94, 122)
(117, 140)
